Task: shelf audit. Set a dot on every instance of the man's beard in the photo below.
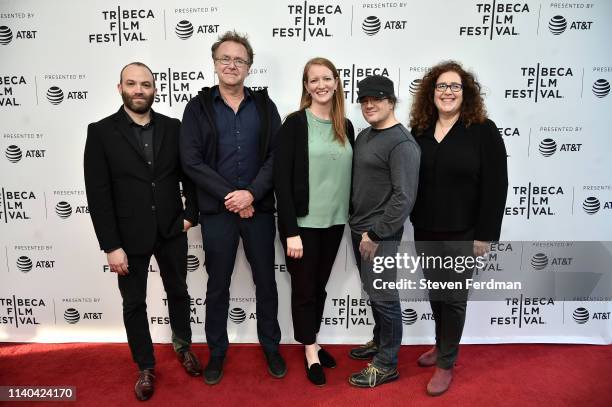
(137, 108)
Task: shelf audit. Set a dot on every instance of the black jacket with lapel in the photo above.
(129, 204)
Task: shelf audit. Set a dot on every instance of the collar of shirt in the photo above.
(216, 94)
(133, 123)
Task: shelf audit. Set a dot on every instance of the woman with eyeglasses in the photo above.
(461, 197)
(312, 180)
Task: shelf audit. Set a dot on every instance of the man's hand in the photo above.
(367, 247)
(481, 248)
(294, 247)
(238, 200)
(186, 225)
(247, 212)
(118, 262)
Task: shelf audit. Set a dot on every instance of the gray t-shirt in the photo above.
(385, 180)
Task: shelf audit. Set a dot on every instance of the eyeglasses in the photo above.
(454, 87)
(239, 63)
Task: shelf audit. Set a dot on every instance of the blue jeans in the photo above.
(388, 313)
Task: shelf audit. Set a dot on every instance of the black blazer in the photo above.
(463, 181)
(129, 204)
(291, 171)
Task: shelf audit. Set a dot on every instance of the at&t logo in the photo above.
(540, 261)
(541, 83)
(192, 263)
(414, 86)
(372, 25)
(55, 95)
(592, 205)
(6, 35)
(25, 264)
(558, 24)
(581, 316)
(184, 29)
(63, 209)
(237, 315)
(601, 88)
(308, 21)
(72, 316)
(409, 316)
(14, 154)
(548, 147)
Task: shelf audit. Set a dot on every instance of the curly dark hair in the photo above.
(424, 113)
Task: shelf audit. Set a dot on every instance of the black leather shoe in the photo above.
(327, 360)
(373, 376)
(214, 370)
(315, 373)
(190, 362)
(276, 364)
(364, 352)
(144, 387)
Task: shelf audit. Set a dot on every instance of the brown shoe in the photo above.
(428, 358)
(144, 385)
(440, 381)
(190, 362)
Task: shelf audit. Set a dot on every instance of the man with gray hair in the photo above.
(227, 145)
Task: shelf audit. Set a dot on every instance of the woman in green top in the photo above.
(312, 171)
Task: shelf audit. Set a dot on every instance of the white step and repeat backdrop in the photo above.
(545, 67)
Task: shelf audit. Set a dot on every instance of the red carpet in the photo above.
(486, 375)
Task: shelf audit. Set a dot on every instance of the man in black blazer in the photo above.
(132, 180)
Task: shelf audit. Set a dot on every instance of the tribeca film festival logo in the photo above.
(176, 86)
(348, 312)
(124, 26)
(524, 311)
(351, 76)
(21, 311)
(308, 21)
(8, 85)
(14, 205)
(541, 83)
(196, 312)
(496, 20)
(534, 200)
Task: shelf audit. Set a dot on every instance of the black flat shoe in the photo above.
(315, 373)
(327, 360)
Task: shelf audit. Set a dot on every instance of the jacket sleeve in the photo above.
(192, 157)
(98, 187)
(404, 164)
(283, 174)
(191, 198)
(263, 182)
(493, 184)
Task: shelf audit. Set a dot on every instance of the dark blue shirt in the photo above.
(238, 145)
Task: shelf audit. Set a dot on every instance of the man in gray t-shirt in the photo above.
(385, 179)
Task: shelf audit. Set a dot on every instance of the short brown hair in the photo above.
(234, 37)
(424, 112)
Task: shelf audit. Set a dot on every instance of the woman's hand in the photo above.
(294, 247)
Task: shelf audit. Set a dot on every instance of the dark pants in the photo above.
(387, 311)
(309, 276)
(171, 256)
(220, 236)
(448, 307)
